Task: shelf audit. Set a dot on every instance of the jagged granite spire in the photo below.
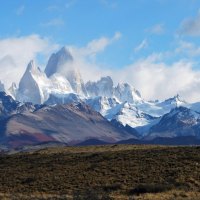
(33, 84)
(57, 60)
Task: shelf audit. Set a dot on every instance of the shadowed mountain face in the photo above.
(28, 124)
(24, 124)
(57, 60)
(178, 122)
(9, 107)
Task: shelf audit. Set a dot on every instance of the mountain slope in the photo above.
(60, 63)
(181, 121)
(22, 124)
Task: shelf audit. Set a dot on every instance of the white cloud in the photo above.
(95, 46)
(20, 10)
(188, 48)
(84, 58)
(89, 70)
(99, 45)
(142, 45)
(191, 26)
(16, 52)
(152, 76)
(157, 29)
(157, 80)
(54, 22)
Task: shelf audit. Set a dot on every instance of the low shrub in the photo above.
(150, 188)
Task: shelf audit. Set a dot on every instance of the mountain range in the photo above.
(56, 105)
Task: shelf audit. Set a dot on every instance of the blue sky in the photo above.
(79, 21)
(162, 32)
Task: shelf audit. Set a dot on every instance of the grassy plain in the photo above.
(102, 172)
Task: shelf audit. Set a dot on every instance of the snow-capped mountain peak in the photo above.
(175, 101)
(76, 81)
(57, 60)
(34, 85)
(124, 92)
(60, 85)
(13, 90)
(31, 66)
(179, 101)
(103, 87)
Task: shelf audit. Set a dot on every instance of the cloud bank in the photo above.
(16, 53)
(84, 58)
(152, 76)
(191, 26)
(157, 80)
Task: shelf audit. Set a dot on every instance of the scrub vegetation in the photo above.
(102, 172)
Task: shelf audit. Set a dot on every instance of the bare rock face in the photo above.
(57, 60)
(60, 63)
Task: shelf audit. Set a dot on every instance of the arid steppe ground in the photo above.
(102, 172)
